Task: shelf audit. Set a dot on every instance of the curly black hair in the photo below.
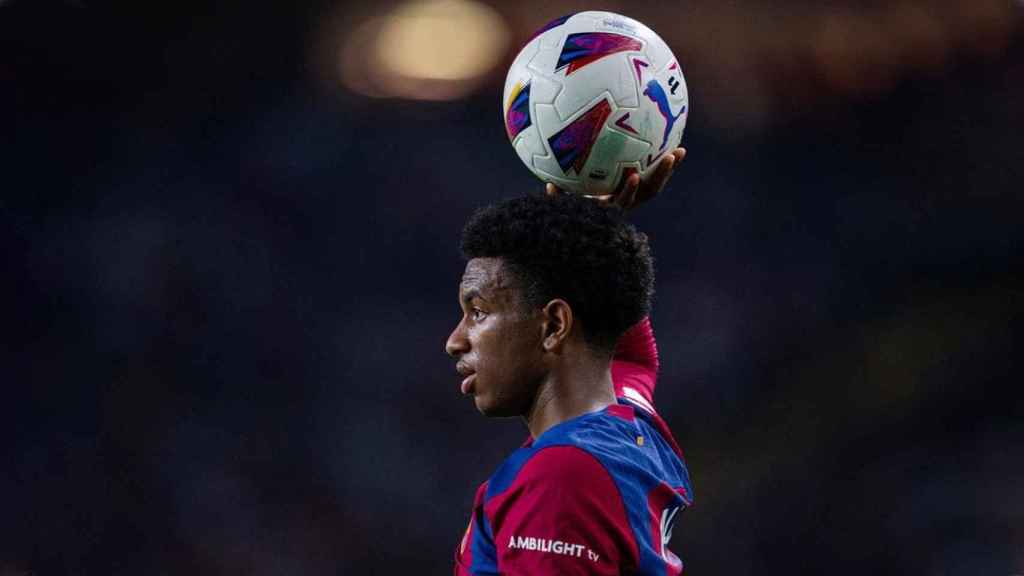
(569, 247)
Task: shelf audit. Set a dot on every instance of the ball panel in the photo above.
(546, 168)
(545, 58)
(612, 152)
(610, 75)
(544, 90)
(658, 54)
(528, 145)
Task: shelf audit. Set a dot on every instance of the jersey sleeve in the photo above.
(464, 552)
(635, 365)
(563, 514)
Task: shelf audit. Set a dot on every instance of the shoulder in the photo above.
(562, 513)
(550, 470)
(634, 448)
(562, 464)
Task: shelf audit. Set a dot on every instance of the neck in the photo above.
(569, 392)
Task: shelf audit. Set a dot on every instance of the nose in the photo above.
(457, 343)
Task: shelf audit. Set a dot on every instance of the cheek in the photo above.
(507, 348)
(519, 362)
(524, 344)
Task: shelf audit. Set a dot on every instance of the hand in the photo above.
(636, 192)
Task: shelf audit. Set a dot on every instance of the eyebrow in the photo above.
(472, 293)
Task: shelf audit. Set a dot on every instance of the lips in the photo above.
(469, 377)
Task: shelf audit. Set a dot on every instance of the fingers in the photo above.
(663, 172)
(664, 169)
(659, 178)
(626, 198)
(635, 190)
(679, 154)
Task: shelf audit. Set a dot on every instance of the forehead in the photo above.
(488, 276)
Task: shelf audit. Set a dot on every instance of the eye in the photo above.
(477, 314)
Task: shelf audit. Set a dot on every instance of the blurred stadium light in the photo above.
(425, 50)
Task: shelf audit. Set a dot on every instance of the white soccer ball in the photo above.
(592, 98)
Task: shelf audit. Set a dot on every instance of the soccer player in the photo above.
(555, 297)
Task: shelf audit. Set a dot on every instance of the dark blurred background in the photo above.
(230, 249)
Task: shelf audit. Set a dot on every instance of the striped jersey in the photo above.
(596, 494)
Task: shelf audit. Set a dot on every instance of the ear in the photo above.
(557, 324)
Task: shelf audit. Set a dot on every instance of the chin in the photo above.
(488, 407)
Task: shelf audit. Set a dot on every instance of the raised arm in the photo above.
(635, 365)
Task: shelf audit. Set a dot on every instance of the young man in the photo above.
(555, 298)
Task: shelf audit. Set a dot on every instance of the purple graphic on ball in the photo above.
(583, 48)
(571, 145)
(517, 118)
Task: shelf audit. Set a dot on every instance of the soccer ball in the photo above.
(592, 98)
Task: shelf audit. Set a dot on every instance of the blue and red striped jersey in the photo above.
(596, 494)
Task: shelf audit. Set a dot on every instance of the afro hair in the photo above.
(570, 247)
